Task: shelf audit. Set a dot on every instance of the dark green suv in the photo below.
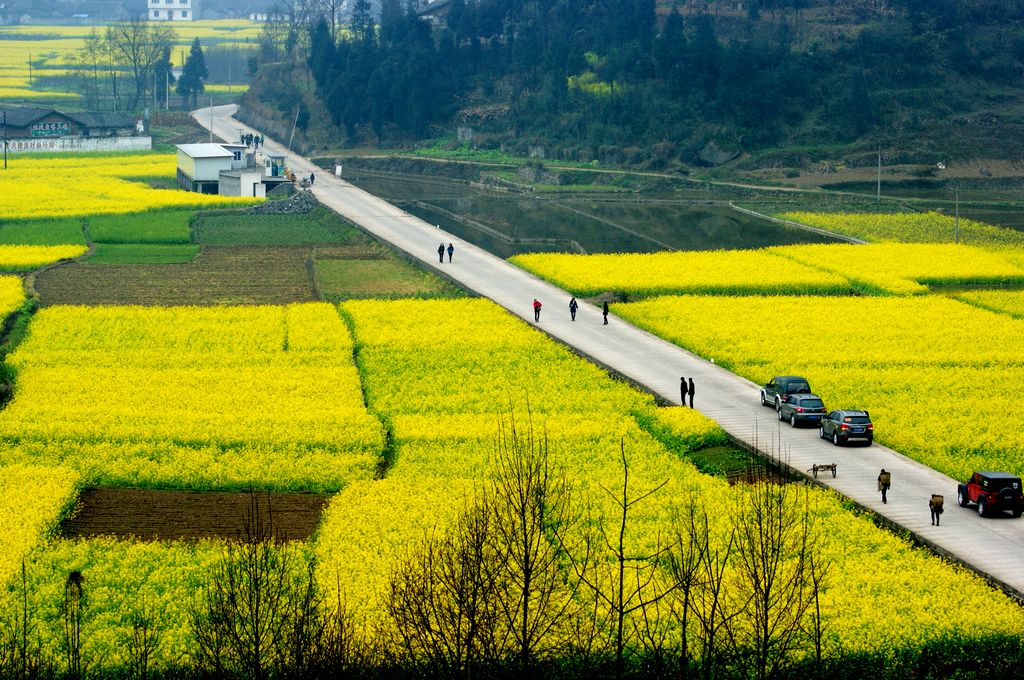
(780, 387)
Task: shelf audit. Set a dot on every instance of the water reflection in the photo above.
(507, 224)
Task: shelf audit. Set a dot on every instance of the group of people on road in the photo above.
(255, 141)
(441, 251)
(573, 308)
(934, 503)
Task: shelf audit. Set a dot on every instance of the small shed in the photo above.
(200, 165)
(242, 183)
(274, 164)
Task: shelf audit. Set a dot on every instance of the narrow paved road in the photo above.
(993, 547)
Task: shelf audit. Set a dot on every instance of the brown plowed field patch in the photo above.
(217, 276)
(188, 515)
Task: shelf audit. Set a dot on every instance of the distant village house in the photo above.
(32, 129)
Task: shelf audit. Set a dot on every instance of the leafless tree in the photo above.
(774, 527)
(242, 618)
(815, 626)
(710, 606)
(138, 45)
(73, 615)
(441, 599)
(531, 504)
(624, 582)
(20, 651)
(143, 640)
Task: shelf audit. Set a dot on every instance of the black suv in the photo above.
(802, 408)
(843, 427)
(780, 387)
(993, 492)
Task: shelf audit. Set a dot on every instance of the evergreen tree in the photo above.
(193, 75)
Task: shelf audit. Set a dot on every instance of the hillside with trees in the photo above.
(638, 83)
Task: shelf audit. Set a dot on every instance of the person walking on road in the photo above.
(604, 311)
(935, 507)
(884, 482)
(573, 306)
(536, 309)
(440, 253)
(312, 179)
(690, 390)
(683, 390)
(451, 251)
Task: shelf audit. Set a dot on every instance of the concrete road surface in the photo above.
(993, 547)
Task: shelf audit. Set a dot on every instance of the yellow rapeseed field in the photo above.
(887, 269)
(24, 258)
(905, 268)
(12, 295)
(31, 500)
(217, 397)
(81, 185)
(445, 442)
(714, 272)
(930, 227)
(1006, 301)
(904, 359)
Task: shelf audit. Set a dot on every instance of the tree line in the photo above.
(615, 72)
(130, 65)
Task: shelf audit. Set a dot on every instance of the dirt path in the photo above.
(187, 515)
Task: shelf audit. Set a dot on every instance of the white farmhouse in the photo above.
(172, 10)
(200, 165)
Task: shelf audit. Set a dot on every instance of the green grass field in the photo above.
(143, 253)
(158, 226)
(42, 233)
(321, 226)
(342, 279)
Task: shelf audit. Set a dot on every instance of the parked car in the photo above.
(780, 387)
(845, 426)
(993, 492)
(802, 408)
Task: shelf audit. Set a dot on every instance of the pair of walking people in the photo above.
(934, 503)
(686, 388)
(441, 251)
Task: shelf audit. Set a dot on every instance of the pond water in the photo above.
(507, 224)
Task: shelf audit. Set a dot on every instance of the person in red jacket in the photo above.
(536, 309)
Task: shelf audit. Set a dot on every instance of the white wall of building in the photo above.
(140, 143)
(172, 10)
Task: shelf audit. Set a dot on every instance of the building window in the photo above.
(156, 14)
(184, 13)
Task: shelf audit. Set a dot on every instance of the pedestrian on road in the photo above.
(451, 251)
(573, 306)
(604, 311)
(935, 507)
(690, 391)
(440, 253)
(683, 390)
(884, 482)
(312, 179)
(536, 309)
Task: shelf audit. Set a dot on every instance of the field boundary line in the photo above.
(798, 225)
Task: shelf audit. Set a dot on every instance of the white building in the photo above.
(242, 183)
(200, 165)
(172, 10)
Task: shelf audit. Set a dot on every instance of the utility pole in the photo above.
(5, 139)
(878, 193)
(956, 219)
(294, 123)
(211, 119)
(167, 90)
(30, 70)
